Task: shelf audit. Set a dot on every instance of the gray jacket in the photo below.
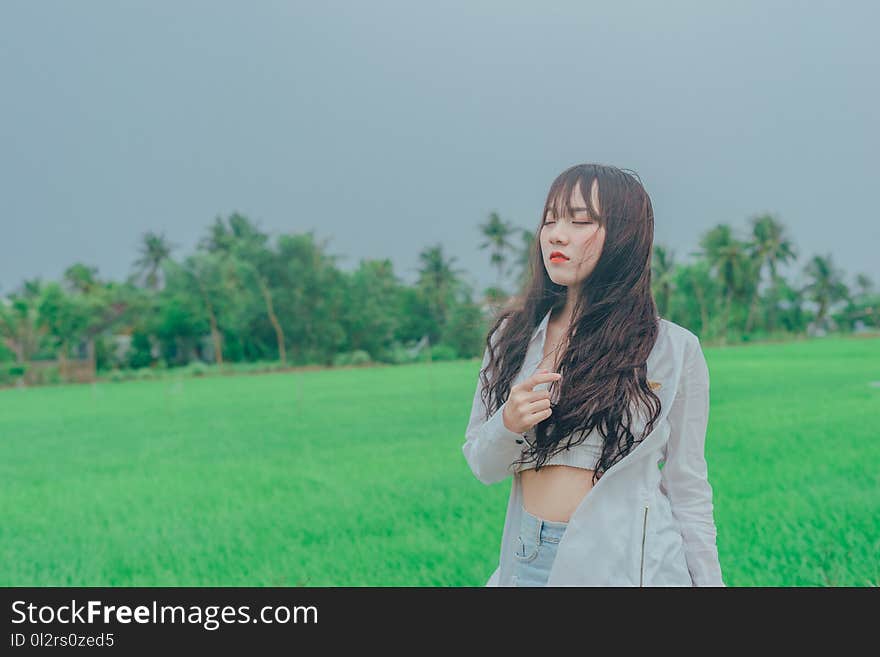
(639, 525)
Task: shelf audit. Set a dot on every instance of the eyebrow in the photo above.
(573, 210)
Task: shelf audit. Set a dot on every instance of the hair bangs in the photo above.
(558, 203)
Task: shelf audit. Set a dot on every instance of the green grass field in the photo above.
(356, 477)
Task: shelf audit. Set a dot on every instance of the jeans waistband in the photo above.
(549, 531)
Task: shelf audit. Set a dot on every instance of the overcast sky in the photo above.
(388, 127)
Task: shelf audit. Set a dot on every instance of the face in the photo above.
(578, 237)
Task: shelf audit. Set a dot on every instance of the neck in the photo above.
(563, 317)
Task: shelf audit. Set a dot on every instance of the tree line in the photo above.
(243, 297)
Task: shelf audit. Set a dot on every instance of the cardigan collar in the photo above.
(542, 327)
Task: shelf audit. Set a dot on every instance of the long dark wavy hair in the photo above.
(613, 328)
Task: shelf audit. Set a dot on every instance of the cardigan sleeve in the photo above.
(490, 447)
(685, 474)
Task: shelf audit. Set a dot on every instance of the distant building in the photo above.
(121, 345)
(821, 328)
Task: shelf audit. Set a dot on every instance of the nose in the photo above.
(556, 234)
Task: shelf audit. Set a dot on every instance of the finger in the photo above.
(528, 398)
(529, 382)
(534, 418)
(538, 406)
(525, 395)
(539, 377)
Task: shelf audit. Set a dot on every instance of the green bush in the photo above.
(396, 354)
(357, 357)
(10, 373)
(144, 373)
(51, 375)
(360, 357)
(443, 352)
(139, 355)
(127, 374)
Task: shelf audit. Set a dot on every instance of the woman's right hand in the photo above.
(525, 407)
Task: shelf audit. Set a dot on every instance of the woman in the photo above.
(596, 406)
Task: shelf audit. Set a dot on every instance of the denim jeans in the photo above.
(536, 549)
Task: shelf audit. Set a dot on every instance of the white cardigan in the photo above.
(639, 525)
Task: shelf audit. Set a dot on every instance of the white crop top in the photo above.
(585, 455)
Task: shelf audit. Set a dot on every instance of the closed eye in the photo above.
(574, 222)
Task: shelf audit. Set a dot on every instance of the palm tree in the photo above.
(769, 246)
(154, 250)
(825, 287)
(244, 244)
(864, 285)
(100, 305)
(694, 284)
(21, 326)
(791, 296)
(728, 260)
(438, 281)
(203, 269)
(663, 277)
(860, 306)
(81, 278)
(497, 234)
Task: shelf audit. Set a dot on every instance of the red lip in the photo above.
(558, 254)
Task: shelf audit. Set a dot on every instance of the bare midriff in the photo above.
(554, 492)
